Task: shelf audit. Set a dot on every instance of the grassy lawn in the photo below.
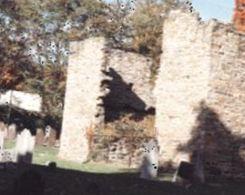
(44, 154)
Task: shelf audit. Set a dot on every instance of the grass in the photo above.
(44, 154)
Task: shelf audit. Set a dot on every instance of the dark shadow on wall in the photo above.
(215, 149)
(121, 99)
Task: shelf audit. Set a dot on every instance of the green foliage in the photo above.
(148, 24)
(43, 20)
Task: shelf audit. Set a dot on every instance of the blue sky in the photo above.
(220, 9)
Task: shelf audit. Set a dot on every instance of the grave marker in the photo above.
(149, 166)
(24, 147)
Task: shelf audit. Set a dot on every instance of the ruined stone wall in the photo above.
(102, 83)
(130, 96)
(200, 96)
(182, 81)
(83, 90)
(131, 85)
(224, 128)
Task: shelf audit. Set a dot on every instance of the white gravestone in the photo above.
(149, 167)
(1, 140)
(24, 146)
(12, 131)
(47, 135)
(3, 128)
(1, 144)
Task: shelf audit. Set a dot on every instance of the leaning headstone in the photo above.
(24, 147)
(1, 140)
(39, 137)
(1, 145)
(46, 135)
(52, 137)
(185, 172)
(12, 132)
(57, 143)
(4, 129)
(8, 155)
(149, 167)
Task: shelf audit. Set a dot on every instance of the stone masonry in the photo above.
(132, 68)
(82, 97)
(98, 75)
(182, 81)
(200, 95)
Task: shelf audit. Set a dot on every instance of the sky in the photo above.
(219, 9)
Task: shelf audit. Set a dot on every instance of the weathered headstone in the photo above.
(57, 143)
(52, 137)
(46, 135)
(4, 129)
(149, 166)
(184, 171)
(12, 131)
(24, 147)
(1, 140)
(39, 137)
(8, 155)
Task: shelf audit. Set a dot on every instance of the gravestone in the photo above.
(46, 135)
(12, 131)
(24, 147)
(52, 137)
(1, 140)
(184, 171)
(149, 167)
(57, 143)
(39, 137)
(8, 155)
(4, 129)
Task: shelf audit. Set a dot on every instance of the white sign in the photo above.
(26, 101)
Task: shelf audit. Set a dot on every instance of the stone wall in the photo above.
(82, 97)
(182, 80)
(103, 83)
(125, 150)
(130, 84)
(223, 120)
(200, 96)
